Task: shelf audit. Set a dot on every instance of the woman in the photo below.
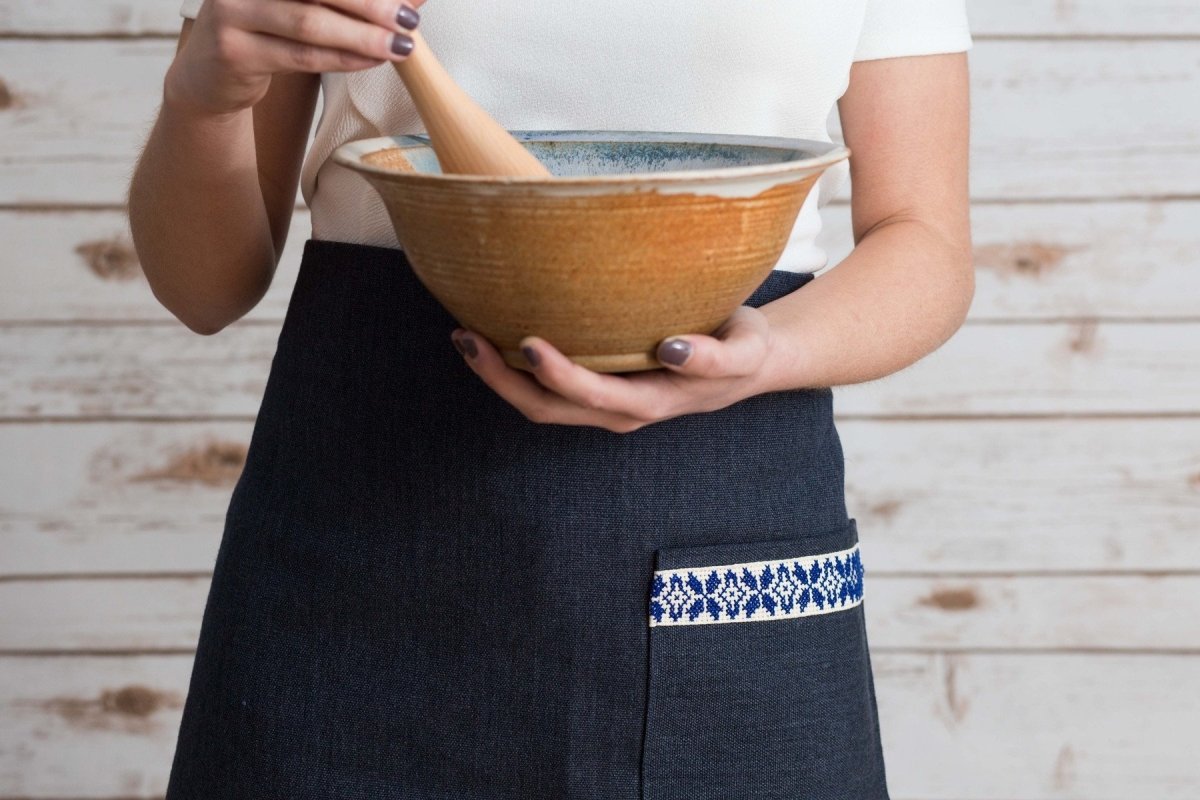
(442, 577)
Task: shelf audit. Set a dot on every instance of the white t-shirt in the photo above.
(769, 68)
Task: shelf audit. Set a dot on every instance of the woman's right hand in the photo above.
(235, 46)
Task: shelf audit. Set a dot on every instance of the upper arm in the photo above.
(282, 120)
(906, 122)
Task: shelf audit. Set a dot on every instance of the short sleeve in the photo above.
(913, 28)
(190, 8)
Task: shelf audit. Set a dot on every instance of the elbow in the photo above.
(205, 295)
(202, 326)
(961, 287)
(205, 307)
(205, 322)
(202, 318)
(966, 282)
(207, 317)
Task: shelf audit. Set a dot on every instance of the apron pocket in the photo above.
(759, 675)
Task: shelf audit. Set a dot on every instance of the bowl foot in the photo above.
(617, 362)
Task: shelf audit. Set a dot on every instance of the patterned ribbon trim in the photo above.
(757, 590)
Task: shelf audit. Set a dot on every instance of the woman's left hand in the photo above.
(712, 372)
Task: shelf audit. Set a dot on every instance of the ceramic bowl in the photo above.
(635, 236)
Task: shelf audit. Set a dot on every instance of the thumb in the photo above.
(737, 347)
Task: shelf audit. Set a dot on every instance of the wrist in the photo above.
(183, 102)
(783, 367)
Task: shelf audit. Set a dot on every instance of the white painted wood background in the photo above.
(1028, 496)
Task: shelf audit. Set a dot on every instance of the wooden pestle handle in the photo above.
(465, 138)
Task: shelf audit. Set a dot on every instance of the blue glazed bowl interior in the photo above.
(570, 154)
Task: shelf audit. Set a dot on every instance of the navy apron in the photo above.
(420, 594)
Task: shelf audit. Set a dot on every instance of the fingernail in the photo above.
(674, 351)
(458, 345)
(531, 356)
(469, 345)
(407, 17)
(402, 44)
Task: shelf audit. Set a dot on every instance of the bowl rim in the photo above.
(350, 154)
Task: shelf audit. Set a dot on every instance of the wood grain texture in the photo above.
(122, 370)
(934, 497)
(79, 113)
(1032, 368)
(105, 18)
(1065, 18)
(987, 17)
(116, 497)
(1114, 727)
(1071, 119)
(69, 266)
(1121, 260)
(956, 726)
(1089, 120)
(165, 371)
(101, 614)
(1020, 495)
(89, 727)
(1084, 119)
(1105, 612)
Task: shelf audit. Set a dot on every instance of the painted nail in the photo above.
(531, 356)
(402, 45)
(407, 17)
(458, 345)
(469, 345)
(675, 351)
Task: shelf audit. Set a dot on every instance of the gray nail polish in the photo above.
(401, 45)
(407, 17)
(674, 351)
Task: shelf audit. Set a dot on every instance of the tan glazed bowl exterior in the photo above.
(635, 237)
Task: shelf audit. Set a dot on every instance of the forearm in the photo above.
(198, 217)
(901, 293)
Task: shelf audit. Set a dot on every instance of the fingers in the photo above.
(557, 390)
(312, 37)
(737, 348)
(596, 391)
(396, 15)
(535, 401)
(288, 55)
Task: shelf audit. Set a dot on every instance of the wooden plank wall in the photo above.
(1028, 496)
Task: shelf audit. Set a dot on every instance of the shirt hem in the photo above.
(928, 43)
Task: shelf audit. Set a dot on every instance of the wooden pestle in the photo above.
(465, 138)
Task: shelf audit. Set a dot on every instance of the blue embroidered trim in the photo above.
(757, 590)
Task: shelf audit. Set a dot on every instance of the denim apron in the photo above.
(421, 594)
